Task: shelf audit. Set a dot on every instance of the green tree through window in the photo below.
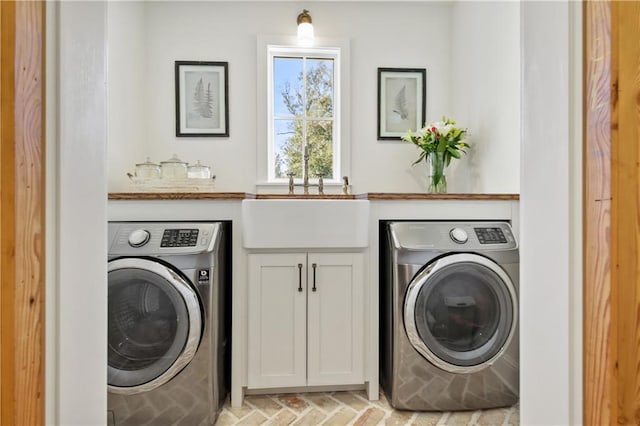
(304, 115)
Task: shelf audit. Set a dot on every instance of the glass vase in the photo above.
(437, 179)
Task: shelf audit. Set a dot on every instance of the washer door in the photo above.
(460, 312)
(155, 324)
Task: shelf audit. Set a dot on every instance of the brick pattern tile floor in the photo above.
(350, 408)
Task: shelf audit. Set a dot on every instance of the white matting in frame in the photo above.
(401, 101)
(202, 99)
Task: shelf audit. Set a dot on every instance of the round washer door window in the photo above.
(154, 324)
(460, 312)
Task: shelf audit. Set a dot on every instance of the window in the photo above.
(303, 112)
(302, 102)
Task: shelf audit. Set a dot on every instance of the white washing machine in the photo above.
(168, 339)
(449, 315)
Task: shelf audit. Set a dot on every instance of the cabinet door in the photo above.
(277, 320)
(335, 319)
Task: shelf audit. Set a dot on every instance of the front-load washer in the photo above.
(168, 340)
(449, 315)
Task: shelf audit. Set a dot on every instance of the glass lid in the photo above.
(147, 163)
(174, 160)
(198, 166)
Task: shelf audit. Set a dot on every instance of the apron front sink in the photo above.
(282, 223)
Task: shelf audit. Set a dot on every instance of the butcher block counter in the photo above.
(394, 196)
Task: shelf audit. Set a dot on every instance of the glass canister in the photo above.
(147, 169)
(173, 168)
(199, 171)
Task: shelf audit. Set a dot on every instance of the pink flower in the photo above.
(433, 129)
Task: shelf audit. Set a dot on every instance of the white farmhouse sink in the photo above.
(282, 223)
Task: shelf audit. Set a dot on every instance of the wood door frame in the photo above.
(611, 210)
(596, 212)
(22, 213)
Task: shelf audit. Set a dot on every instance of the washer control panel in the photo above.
(452, 235)
(490, 235)
(179, 238)
(161, 238)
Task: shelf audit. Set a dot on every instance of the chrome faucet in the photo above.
(291, 182)
(305, 176)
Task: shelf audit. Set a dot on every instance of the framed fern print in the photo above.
(401, 101)
(202, 99)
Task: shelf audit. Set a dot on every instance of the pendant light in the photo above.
(305, 28)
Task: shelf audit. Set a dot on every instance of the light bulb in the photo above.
(305, 28)
(305, 34)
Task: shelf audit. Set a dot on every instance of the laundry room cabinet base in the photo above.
(306, 319)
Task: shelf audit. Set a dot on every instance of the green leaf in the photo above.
(453, 152)
(420, 158)
(408, 137)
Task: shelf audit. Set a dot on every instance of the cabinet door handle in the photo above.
(313, 265)
(299, 276)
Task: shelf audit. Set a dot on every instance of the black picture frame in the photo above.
(202, 99)
(402, 94)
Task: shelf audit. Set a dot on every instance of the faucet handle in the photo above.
(345, 185)
(291, 175)
(320, 185)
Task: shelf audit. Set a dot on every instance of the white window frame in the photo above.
(273, 52)
(270, 47)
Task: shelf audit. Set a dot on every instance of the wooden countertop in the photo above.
(180, 196)
(424, 196)
(392, 196)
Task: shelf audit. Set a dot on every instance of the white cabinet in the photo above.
(306, 319)
(277, 320)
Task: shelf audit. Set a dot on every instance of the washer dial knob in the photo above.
(139, 237)
(459, 235)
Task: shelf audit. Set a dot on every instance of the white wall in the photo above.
(51, 235)
(550, 349)
(486, 95)
(382, 34)
(406, 35)
(127, 95)
(76, 233)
